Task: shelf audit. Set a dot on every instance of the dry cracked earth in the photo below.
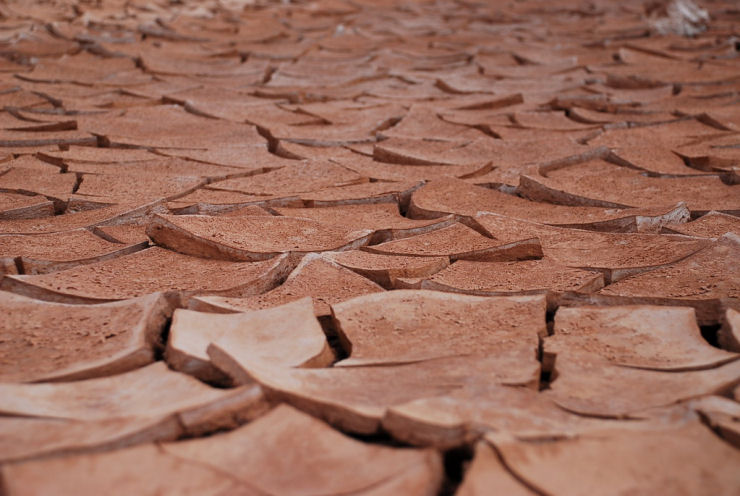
(360, 247)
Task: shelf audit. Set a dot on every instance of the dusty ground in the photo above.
(360, 247)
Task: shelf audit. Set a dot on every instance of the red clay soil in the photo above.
(372, 248)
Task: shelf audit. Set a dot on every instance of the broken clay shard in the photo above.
(460, 242)
(45, 341)
(588, 384)
(44, 253)
(357, 399)
(620, 188)
(382, 218)
(124, 213)
(386, 269)
(411, 326)
(316, 276)
(210, 345)
(431, 351)
(27, 438)
(289, 180)
(543, 276)
(149, 271)
(152, 392)
(487, 473)
(626, 461)
(250, 238)
(108, 189)
(465, 414)
(17, 206)
(646, 337)
(452, 196)
(362, 194)
(54, 186)
(729, 335)
(711, 225)
(616, 255)
(706, 280)
(285, 451)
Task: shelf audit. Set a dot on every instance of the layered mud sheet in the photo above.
(360, 247)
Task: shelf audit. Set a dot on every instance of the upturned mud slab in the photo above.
(150, 271)
(250, 238)
(616, 255)
(459, 242)
(543, 276)
(45, 341)
(706, 280)
(286, 335)
(44, 253)
(250, 460)
(324, 281)
(624, 462)
(386, 269)
(450, 196)
(639, 336)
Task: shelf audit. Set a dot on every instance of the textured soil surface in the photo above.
(378, 248)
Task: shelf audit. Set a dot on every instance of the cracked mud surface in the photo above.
(350, 247)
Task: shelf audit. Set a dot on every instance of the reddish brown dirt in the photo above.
(369, 247)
